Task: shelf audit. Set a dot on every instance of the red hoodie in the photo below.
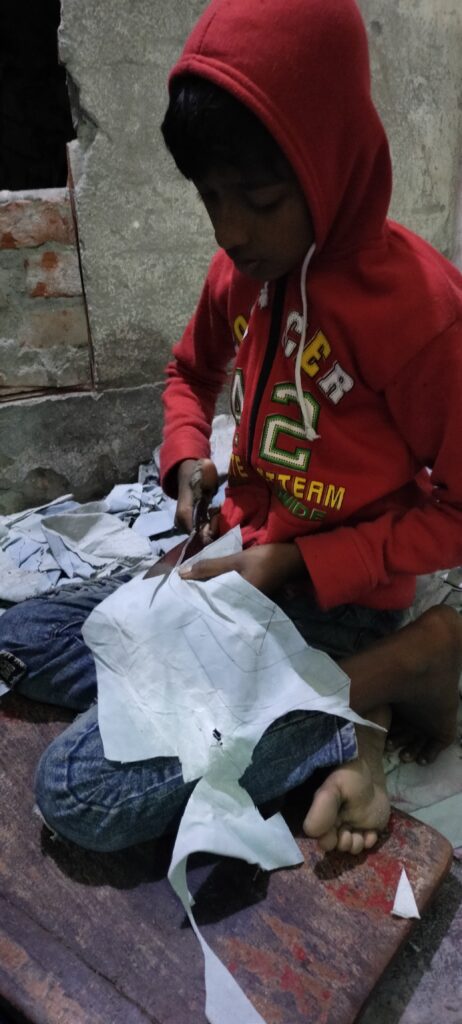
(381, 369)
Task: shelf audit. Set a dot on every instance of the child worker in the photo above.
(345, 475)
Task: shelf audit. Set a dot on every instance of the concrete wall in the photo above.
(416, 48)
(145, 241)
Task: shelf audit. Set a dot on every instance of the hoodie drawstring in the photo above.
(310, 432)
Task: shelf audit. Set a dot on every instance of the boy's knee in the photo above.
(17, 634)
(62, 808)
(442, 625)
(17, 621)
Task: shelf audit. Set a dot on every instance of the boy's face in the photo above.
(261, 220)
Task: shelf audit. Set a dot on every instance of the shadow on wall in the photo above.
(35, 119)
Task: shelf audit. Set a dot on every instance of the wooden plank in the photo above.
(88, 938)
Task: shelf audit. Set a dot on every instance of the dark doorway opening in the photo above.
(35, 117)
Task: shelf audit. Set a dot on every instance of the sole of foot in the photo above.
(351, 807)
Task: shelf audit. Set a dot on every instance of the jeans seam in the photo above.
(162, 788)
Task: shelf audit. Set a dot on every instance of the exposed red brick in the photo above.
(53, 274)
(49, 260)
(47, 327)
(35, 221)
(40, 290)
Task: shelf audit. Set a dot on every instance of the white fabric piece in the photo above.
(267, 843)
(18, 584)
(149, 524)
(179, 659)
(25, 552)
(24, 536)
(195, 670)
(124, 498)
(445, 816)
(17, 517)
(405, 904)
(431, 793)
(83, 542)
(165, 544)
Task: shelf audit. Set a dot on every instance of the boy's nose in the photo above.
(230, 225)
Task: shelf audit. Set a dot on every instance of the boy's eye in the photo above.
(259, 198)
(263, 198)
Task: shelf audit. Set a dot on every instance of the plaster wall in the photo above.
(145, 240)
(417, 85)
(78, 443)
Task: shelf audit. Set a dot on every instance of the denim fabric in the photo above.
(105, 805)
(343, 630)
(46, 634)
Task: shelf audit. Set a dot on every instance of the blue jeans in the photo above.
(105, 805)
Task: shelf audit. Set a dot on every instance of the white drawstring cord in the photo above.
(310, 432)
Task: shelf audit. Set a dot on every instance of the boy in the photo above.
(346, 386)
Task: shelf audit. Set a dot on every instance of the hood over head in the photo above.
(302, 67)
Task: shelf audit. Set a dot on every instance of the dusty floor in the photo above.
(424, 985)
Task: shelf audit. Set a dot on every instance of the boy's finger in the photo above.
(207, 569)
(184, 516)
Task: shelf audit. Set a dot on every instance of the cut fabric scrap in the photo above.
(152, 523)
(405, 904)
(17, 584)
(238, 830)
(83, 543)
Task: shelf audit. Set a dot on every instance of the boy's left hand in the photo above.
(266, 566)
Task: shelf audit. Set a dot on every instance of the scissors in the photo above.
(204, 484)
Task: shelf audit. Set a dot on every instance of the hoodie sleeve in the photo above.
(195, 376)
(425, 402)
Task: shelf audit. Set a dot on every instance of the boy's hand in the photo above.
(187, 470)
(266, 566)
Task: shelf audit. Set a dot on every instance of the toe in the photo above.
(429, 752)
(346, 840)
(413, 750)
(351, 840)
(328, 841)
(322, 816)
(370, 838)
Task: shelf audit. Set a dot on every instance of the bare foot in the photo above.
(416, 670)
(351, 807)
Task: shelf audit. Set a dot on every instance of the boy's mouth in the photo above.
(251, 267)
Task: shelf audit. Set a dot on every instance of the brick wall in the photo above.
(44, 340)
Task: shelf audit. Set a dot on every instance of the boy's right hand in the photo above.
(187, 493)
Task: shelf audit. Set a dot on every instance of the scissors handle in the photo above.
(204, 484)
